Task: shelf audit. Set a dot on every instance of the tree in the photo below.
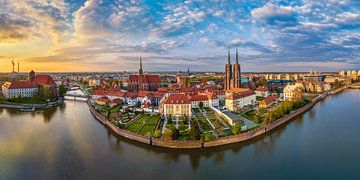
(260, 82)
(207, 137)
(201, 105)
(194, 131)
(62, 90)
(236, 129)
(157, 133)
(175, 134)
(45, 92)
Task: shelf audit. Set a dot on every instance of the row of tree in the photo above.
(284, 108)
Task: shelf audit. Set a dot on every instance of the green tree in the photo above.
(45, 91)
(194, 131)
(175, 134)
(236, 129)
(157, 133)
(62, 90)
(261, 82)
(201, 105)
(208, 137)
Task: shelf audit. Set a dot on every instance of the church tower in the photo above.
(237, 72)
(141, 76)
(228, 74)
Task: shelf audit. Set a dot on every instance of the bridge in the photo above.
(76, 95)
(355, 86)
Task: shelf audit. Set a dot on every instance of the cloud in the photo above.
(27, 19)
(275, 15)
(175, 34)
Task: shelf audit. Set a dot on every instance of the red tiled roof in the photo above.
(147, 78)
(198, 97)
(269, 99)
(103, 99)
(262, 88)
(108, 92)
(44, 80)
(177, 99)
(237, 90)
(22, 85)
(240, 95)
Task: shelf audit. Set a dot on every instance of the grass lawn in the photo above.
(133, 127)
(150, 125)
(144, 124)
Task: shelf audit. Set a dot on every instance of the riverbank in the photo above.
(11, 105)
(242, 137)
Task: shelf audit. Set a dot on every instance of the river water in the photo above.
(68, 143)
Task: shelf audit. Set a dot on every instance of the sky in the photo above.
(111, 35)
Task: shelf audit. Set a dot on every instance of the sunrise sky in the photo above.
(110, 35)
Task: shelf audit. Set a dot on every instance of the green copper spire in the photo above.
(237, 57)
(229, 56)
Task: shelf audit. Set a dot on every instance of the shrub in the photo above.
(236, 129)
(157, 134)
(175, 134)
(208, 137)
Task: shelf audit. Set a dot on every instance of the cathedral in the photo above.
(143, 82)
(232, 77)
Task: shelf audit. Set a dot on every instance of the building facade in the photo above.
(238, 98)
(176, 105)
(293, 92)
(19, 89)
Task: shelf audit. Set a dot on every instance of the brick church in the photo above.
(232, 77)
(143, 82)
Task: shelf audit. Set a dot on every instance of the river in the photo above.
(68, 143)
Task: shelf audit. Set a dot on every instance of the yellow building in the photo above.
(293, 92)
(176, 105)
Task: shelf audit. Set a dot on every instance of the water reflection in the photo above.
(68, 143)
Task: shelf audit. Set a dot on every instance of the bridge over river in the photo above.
(76, 95)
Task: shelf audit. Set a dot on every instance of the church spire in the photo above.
(237, 57)
(229, 56)
(141, 68)
(140, 63)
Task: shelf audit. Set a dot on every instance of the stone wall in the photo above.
(177, 144)
(115, 129)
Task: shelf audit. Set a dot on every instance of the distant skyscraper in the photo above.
(232, 77)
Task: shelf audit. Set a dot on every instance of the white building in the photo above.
(237, 98)
(19, 89)
(262, 91)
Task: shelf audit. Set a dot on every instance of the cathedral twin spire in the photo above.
(232, 75)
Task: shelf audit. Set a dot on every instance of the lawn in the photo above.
(144, 124)
(150, 125)
(136, 124)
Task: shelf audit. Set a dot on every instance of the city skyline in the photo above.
(110, 35)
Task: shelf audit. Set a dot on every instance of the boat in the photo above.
(28, 109)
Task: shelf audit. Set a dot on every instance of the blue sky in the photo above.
(110, 35)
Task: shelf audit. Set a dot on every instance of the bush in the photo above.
(194, 131)
(236, 129)
(175, 134)
(157, 134)
(208, 137)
